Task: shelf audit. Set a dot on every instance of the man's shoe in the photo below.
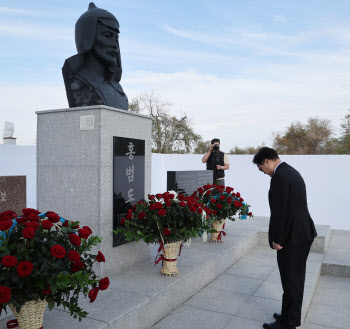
(276, 325)
(278, 316)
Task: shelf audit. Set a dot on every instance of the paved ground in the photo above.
(248, 293)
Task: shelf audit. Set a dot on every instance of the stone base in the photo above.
(75, 171)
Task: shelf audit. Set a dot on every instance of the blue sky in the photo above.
(240, 69)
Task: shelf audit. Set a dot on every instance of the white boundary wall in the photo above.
(327, 179)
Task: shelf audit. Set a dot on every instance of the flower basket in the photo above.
(169, 257)
(221, 204)
(31, 315)
(166, 218)
(45, 259)
(219, 226)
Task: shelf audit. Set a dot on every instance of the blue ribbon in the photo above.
(14, 224)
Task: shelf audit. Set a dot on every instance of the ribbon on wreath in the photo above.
(162, 258)
(219, 236)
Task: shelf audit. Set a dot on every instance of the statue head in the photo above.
(97, 32)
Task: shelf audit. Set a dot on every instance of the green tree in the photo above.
(344, 140)
(202, 147)
(170, 134)
(245, 150)
(313, 137)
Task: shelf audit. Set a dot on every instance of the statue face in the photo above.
(106, 45)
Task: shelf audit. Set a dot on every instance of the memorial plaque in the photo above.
(187, 182)
(13, 193)
(128, 179)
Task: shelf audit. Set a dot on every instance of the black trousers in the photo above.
(292, 266)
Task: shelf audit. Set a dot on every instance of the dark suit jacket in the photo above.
(290, 222)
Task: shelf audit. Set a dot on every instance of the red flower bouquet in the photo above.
(222, 203)
(44, 257)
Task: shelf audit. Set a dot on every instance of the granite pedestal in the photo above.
(75, 171)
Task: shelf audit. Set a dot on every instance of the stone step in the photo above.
(337, 258)
(139, 296)
(320, 244)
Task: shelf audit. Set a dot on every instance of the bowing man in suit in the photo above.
(291, 233)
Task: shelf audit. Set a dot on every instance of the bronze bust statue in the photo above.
(92, 76)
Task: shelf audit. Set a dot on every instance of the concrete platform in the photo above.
(235, 284)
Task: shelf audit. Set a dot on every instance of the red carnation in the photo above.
(219, 206)
(166, 231)
(58, 251)
(47, 291)
(5, 294)
(209, 192)
(24, 268)
(65, 224)
(100, 257)
(103, 284)
(238, 195)
(199, 211)
(50, 213)
(158, 206)
(46, 224)
(214, 212)
(74, 239)
(33, 217)
(181, 196)
(142, 215)
(159, 196)
(240, 204)
(93, 294)
(171, 196)
(33, 225)
(229, 200)
(9, 261)
(192, 209)
(212, 200)
(182, 204)
(28, 233)
(151, 206)
(236, 204)
(168, 204)
(87, 228)
(28, 211)
(241, 199)
(162, 212)
(73, 256)
(21, 220)
(222, 197)
(166, 199)
(78, 266)
(250, 214)
(5, 225)
(151, 197)
(122, 222)
(54, 218)
(8, 215)
(84, 234)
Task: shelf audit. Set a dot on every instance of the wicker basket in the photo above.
(170, 253)
(218, 225)
(31, 315)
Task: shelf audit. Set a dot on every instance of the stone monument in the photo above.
(94, 160)
(92, 76)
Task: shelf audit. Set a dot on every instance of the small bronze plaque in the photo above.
(13, 193)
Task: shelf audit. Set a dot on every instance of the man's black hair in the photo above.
(215, 140)
(263, 154)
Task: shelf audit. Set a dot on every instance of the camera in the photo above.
(216, 147)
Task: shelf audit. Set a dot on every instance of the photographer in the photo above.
(216, 161)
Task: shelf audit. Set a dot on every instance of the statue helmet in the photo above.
(85, 27)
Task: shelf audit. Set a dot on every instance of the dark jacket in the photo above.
(210, 164)
(290, 222)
